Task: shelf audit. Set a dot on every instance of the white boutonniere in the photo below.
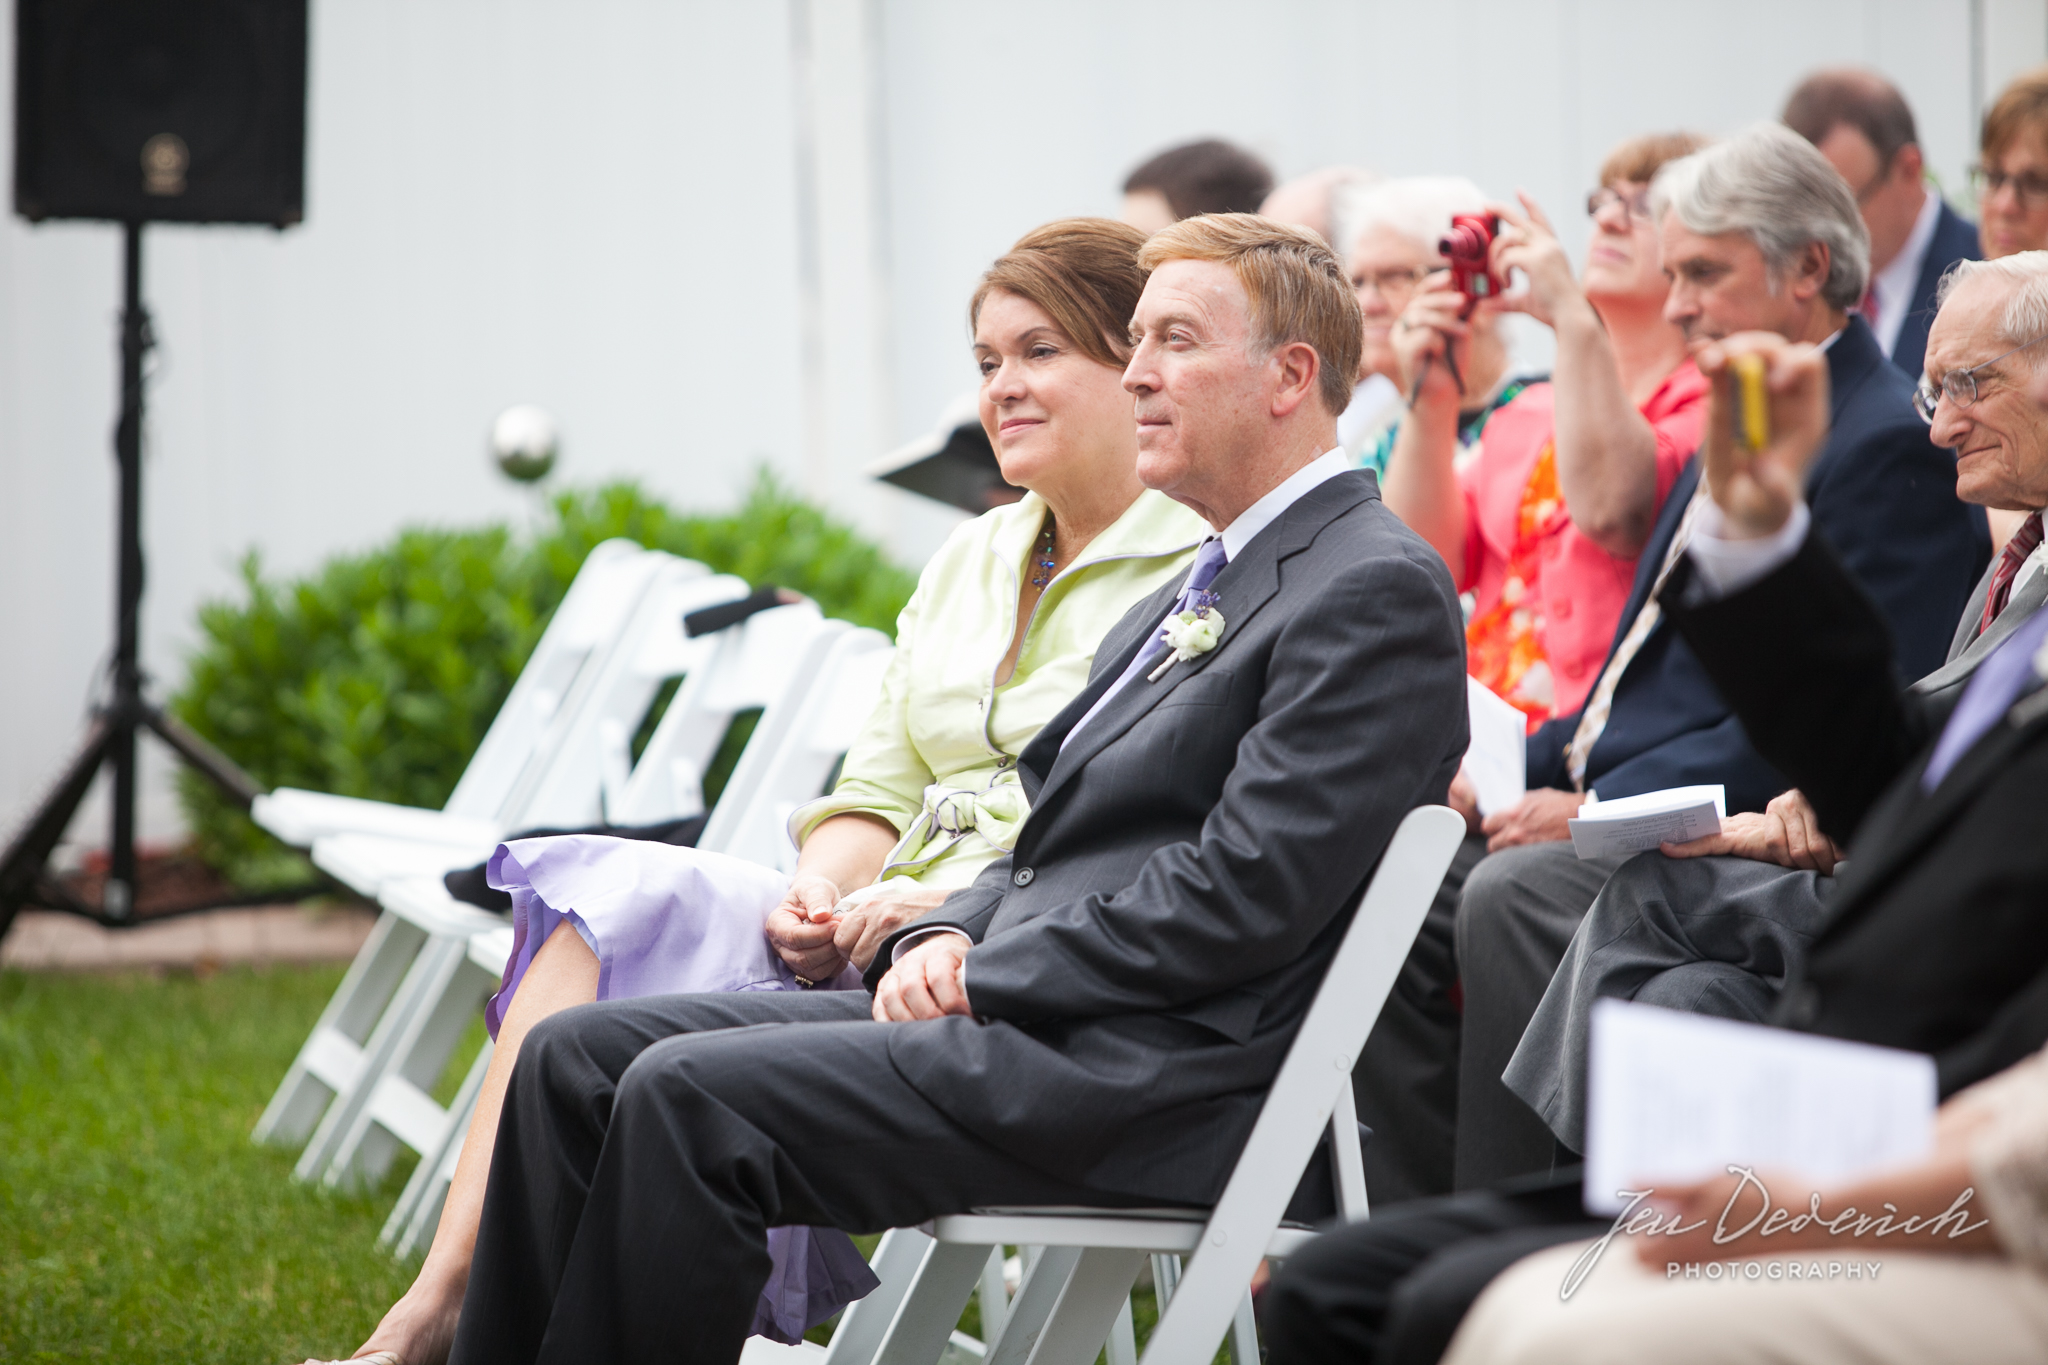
(1191, 633)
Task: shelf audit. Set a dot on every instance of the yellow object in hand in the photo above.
(1754, 401)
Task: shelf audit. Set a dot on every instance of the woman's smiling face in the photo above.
(1044, 404)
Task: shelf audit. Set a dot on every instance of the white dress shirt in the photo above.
(1894, 284)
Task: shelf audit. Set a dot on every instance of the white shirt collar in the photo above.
(1284, 495)
(1833, 337)
(1894, 284)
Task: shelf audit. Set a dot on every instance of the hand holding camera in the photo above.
(1767, 420)
(1526, 242)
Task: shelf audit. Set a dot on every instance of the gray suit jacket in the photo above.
(1969, 648)
(1147, 952)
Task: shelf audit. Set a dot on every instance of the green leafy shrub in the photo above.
(377, 674)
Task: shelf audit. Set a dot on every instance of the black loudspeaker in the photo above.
(182, 111)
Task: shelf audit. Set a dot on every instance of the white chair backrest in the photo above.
(744, 667)
(585, 626)
(567, 790)
(792, 765)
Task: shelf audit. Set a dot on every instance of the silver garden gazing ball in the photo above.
(524, 443)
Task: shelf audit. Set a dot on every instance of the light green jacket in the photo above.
(938, 758)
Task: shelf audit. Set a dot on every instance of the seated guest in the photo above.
(1978, 1298)
(1310, 200)
(1933, 942)
(1544, 523)
(2011, 178)
(1210, 176)
(1758, 232)
(1094, 1020)
(1391, 231)
(997, 638)
(1862, 125)
(1716, 927)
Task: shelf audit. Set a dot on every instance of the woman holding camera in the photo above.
(1543, 522)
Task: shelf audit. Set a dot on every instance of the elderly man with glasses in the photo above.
(1717, 926)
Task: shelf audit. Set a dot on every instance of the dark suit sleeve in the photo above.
(1890, 512)
(1545, 753)
(1805, 659)
(1361, 718)
(1719, 754)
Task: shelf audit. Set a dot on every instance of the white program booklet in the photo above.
(1496, 764)
(1636, 824)
(1675, 1098)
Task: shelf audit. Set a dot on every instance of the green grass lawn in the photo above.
(138, 1222)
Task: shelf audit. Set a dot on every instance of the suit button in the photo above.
(1023, 876)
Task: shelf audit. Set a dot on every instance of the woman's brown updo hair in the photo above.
(1083, 272)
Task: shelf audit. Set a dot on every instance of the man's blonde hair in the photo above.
(1293, 281)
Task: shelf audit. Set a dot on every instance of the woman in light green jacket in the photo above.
(998, 637)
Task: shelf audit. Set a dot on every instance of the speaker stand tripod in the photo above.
(110, 743)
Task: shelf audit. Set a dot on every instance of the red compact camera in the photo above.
(1466, 248)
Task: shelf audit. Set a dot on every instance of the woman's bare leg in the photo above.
(420, 1328)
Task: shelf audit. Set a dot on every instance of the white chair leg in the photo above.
(420, 1203)
(1097, 1291)
(1244, 1333)
(858, 1337)
(330, 1060)
(1122, 1346)
(925, 1319)
(1165, 1278)
(995, 1299)
(1046, 1272)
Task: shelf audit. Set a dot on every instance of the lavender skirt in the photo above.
(664, 920)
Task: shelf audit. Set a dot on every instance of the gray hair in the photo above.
(1419, 207)
(2024, 276)
(1771, 185)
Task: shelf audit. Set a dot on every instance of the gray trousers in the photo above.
(1520, 909)
(1712, 936)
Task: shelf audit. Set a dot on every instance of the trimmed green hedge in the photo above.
(377, 674)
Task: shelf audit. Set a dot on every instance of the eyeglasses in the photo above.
(1393, 281)
(1959, 386)
(1637, 202)
(2029, 188)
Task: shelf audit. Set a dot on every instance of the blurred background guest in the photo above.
(1210, 176)
(1310, 200)
(1544, 523)
(2011, 177)
(1391, 231)
(1862, 125)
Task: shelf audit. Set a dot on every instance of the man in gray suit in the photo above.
(1096, 1018)
(1713, 927)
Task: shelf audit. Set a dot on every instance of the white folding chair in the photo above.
(587, 622)
(773, 660)
(1068, 1302)
(818, 707)
(562, 786)
(379, 994)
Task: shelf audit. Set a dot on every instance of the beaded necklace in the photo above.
(1044, 561)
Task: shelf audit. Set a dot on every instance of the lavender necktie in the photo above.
(1998, 683)
(1209, 561)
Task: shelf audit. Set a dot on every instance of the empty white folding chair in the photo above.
(562, 786)
(773, 661)
(588, 620)
(1068, 1302)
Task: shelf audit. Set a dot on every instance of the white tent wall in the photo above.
(705, 234)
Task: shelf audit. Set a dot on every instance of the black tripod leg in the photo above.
(224, 771)
(22, 864)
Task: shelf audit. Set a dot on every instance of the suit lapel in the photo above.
(2023, 604)
(1244, 586)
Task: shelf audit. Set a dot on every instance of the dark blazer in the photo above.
(1884, 496)
(1147, 952)
(1955, 239)
(1936, 936)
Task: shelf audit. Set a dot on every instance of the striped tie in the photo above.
(2018, 550)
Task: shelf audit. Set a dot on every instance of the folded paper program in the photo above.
(1637, 824)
